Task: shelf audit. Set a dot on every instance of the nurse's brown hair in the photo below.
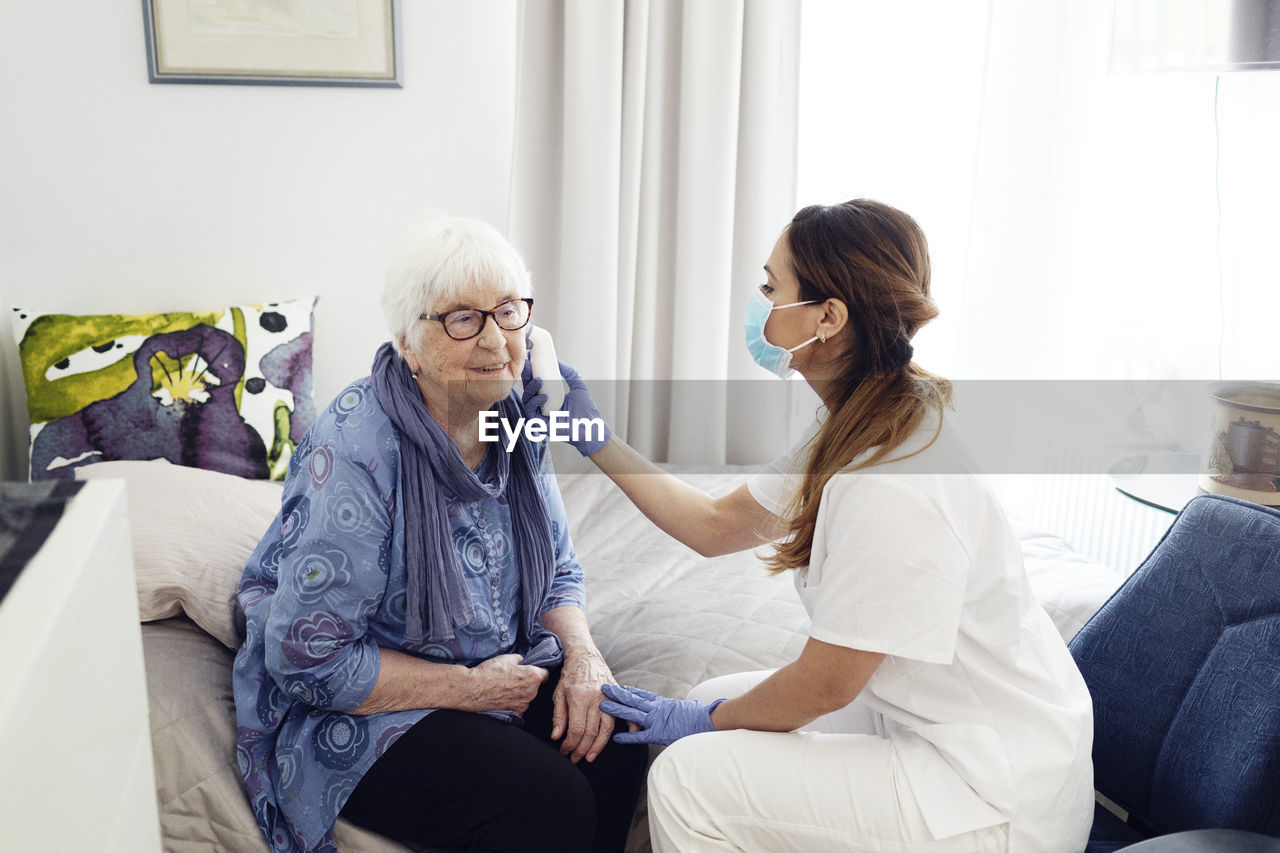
(874, 259)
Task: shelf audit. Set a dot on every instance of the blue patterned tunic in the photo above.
(325, 588)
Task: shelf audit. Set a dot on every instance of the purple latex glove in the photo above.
(664, 721)
(531, 398)
(577, 403)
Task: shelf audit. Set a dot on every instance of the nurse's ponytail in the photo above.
(873, 258)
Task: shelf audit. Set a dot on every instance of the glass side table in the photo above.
(1164, 480)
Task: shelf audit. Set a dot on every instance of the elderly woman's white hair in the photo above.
(438, 259)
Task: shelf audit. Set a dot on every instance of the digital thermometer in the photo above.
(542, 354)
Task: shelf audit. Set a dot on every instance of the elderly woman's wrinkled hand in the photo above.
(502, 683)
(577, 713)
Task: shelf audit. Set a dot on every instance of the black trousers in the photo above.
(466, 781)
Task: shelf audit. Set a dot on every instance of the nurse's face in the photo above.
(794, 325)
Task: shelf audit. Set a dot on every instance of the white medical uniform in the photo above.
(973, 734)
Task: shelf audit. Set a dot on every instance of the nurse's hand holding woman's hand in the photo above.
(662, 721)
(577, 403)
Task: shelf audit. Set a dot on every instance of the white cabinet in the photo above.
(75, 747)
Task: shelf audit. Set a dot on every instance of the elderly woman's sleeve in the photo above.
(333, 563)
(567, 585)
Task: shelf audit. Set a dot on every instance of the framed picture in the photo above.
(275, 42)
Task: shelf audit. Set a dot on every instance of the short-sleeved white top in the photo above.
(915, 559)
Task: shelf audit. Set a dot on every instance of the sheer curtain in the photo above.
(653, 167)
(1073, 212)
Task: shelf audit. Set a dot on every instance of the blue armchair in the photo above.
(1183, 663)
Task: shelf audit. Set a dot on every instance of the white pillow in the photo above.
(193, 531)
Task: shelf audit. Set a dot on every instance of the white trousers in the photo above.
(813, 791)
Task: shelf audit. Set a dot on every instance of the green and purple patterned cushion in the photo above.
(227, 390)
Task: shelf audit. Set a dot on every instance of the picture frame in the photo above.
(298, 43)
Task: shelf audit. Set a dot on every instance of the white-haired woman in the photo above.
(417, 656)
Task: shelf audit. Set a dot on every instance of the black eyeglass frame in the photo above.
(484, 317)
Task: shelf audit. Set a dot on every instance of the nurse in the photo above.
(934, 706)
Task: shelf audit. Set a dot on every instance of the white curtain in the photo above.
(653, 168)
(1083, 223)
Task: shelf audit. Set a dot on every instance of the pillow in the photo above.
(228, 390)
(192, 533)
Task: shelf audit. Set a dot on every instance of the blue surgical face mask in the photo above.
(772, 358)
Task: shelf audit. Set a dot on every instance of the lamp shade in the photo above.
(1196, 35)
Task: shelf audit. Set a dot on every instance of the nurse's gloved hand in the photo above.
(581, 407)
(531, 398)
(663, 721)
(577, 404)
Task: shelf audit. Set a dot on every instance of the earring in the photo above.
(822, 339)
(414, 375)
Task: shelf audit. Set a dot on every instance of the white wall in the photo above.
(117, 195)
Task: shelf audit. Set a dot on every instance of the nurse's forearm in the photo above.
(710, 526)
(823, 679)
(681, 510)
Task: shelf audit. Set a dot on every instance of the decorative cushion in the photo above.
(228, 389)
(192, 533)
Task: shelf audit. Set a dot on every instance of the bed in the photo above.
(664, 617)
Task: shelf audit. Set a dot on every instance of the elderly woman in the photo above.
(417, 657)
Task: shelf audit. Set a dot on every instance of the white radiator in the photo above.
(1088, 512)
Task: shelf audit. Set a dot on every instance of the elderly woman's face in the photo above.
(470, 374)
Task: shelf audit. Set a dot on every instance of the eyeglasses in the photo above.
(466, 323)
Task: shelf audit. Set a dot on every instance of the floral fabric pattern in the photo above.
(325, 589)
(227, 390)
